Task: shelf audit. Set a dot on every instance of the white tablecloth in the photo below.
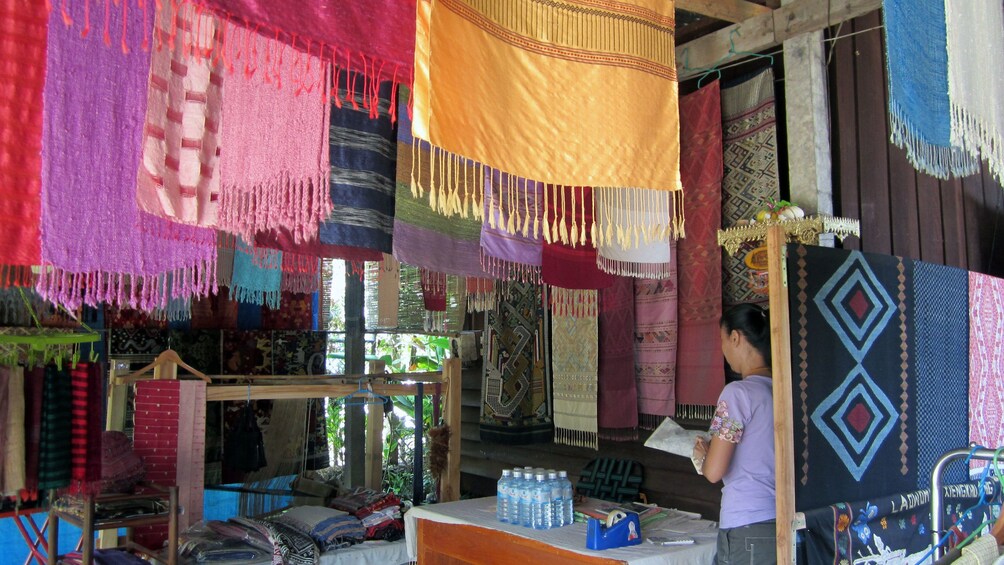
(481, 512)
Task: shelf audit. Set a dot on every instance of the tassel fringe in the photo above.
(301, 283)
(619, 434)
(576, 438)
(256, 296)
(937, 161)
(694, 412)
(296, 205)
(622, 216)
(16, 275)
(658, 271)
(978, 139)
(575, 303)
(502, 269)
(435, 321)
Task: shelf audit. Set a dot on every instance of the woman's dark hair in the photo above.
(751, 321)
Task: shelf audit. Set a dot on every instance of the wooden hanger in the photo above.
(168, 361)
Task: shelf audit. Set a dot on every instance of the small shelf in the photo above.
(88, 524)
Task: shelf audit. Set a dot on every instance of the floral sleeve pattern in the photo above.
(724, 427)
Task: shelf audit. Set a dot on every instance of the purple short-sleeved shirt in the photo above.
(745, 417)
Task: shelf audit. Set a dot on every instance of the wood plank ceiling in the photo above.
(695, 18)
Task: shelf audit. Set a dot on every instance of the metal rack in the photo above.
(936, 490)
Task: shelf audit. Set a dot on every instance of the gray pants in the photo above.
(753, 544)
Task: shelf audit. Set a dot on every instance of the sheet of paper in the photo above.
(672, 438)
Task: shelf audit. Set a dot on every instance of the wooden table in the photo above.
(467, 532)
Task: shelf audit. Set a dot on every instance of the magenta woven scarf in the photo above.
(656, 341)
(274, 165)
(96, 245)
(618, 396)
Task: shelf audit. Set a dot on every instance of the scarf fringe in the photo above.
(164, 228)
(451, 190)
(650, 421)
(481, 301)
(140, 292)
(301, 283)
(298, 205)
(622, 216)
(575, 303)
(435, 321)
(299, 263)
(233, 43)
(935, 160)
(503, 269)
(16, 275)
(978, 139)
(694, 412)
(619, 434)
(658, 271)
(576, 438)
(179, 309)
(256, 296)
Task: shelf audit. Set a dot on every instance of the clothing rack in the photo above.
(936, 491)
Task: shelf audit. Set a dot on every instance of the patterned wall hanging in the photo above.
(574, 362)
(986, 360)
(750, 178)
(516, 385)
(484, 57)
(655, 334)
(618, 392)
(700, 373)
(854, 383)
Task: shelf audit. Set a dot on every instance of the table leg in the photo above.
(32, 543)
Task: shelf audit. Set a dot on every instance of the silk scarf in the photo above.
(476, 67)
(33, 383)
(275, 168)
(750, 180)
(516, 384)
(975, 45)
(986, 392)
(618, 392)
(257, 275)
(91, 247)
(23, 27)
(179, 178)
(14, 447)
(655, 329)
(920, 120)
(700, 372)
(511, 238)
(639, 248)
(86, 425)
(54, 444)
(363, 155)
(574, 350)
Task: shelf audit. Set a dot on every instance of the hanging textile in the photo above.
(855, 391)
(274, 165)
(892, 528)
(257, 275)
(516, 404)
(640, 248)
(480, 294)
(986, 391)
(975, 47)
(301, 274)
(295, 312)
(941, 349)
(178, 176)
(33, 383)
(13, 446)
(655, 329)
(387, 293)
(90, 242)
(23, 50)
(445, 301)
(363, 155)
(479, 67)
(282, 240)
(511, 239)
(574, 351)
(571, 267)
(920, 120)
(700, 372)
(618, 393)
(749, 179)
(54, 445)
(86, 425)
(425, 239)
(433, 290)
(199, 348)
(373, 37)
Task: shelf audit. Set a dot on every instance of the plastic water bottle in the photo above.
(567, 496)
(502, 496)
(526, 501)
(557, 502)
(515, 491)
(541, 502)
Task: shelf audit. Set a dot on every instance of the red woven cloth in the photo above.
(22, 74)
(33, 430)
(700, 372)
(295, 312)
(282, 240)
(564, 265)
(373, 37)
(433, 290)
(86, 428)
(618, 396)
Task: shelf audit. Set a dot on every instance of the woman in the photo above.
(741, 452)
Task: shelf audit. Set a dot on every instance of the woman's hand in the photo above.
(699, 454)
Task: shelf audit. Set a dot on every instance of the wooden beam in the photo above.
(450, 482)
(285, 392)
(728, 10)
(374, 437)
(766, 31)
(780, 350)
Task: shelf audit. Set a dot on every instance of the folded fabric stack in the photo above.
(329, 528)
(380, 512)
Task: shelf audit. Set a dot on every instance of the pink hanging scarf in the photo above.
(179, 178)
(95, 101)
(274, 163)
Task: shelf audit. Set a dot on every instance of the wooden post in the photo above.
(172, 527)
(118, 397)
(780, 350)
(450, 483)
(355, 361)
(374, 437)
